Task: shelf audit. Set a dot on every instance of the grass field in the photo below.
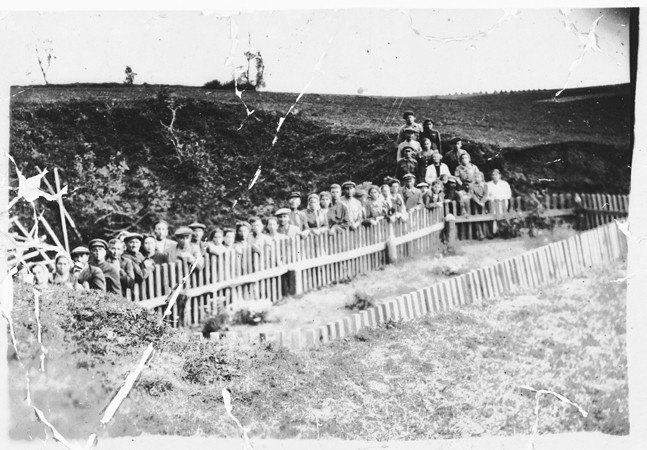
(452, 375)
(519, 119)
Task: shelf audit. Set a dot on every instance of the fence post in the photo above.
(295, 281)
(391, 246)
(449, 232)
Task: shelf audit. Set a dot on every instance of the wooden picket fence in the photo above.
(293, 266)
(548, 264)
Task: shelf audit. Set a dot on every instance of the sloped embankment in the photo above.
(125, 167)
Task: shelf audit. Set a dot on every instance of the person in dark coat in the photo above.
(99, 251)
(83, 273)
(430, 133)
(132, 253)
(116, 250)
(453, 157)
(406, 165)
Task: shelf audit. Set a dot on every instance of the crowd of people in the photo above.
(424, 178)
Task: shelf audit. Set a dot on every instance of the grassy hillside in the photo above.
(449, 376)
(125, 168)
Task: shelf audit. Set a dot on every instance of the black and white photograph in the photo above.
(351, 228)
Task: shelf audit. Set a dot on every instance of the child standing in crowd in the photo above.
(324, 203)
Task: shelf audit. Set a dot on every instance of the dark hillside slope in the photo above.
(125, 168)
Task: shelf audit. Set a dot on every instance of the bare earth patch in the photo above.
(328, 304)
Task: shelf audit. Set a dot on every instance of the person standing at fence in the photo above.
(83, 273)
(406, 165)
(297, 217)
(324, 203)
(316, 219)
(410, 193)
(338, 211)
(409, 124)
(164, 244)
(285, 228)
(399, 209)
(150, 251)
(125, 267)
(436, 169)
(132, 253)
(499, 193)
(258, 240)
(272, 227)
(376, 206)
(410, 141)
(215, 244)
(452, 157)
(198, 234)
(435, 196)
(243, 230)
(229, 237)
(353, 206)
(428, 132)
(99, 250)
(185, 250)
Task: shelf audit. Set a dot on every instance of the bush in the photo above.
(247, 317)
(361, 301)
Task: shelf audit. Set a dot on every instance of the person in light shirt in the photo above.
(499, 193)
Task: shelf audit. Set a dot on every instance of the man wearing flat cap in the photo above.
(354, 206)
(409, 124)
(453, 157)
(297, 217)
(198, 234)
(83, 273)
(186, 250)
(285, 227)
(99, 250)
(133, 243)
(407, 164)
(164, 244)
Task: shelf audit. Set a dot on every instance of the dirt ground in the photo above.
(329, 304)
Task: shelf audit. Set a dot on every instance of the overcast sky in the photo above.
(371, 52)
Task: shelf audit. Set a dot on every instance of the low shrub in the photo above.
(361, 301)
